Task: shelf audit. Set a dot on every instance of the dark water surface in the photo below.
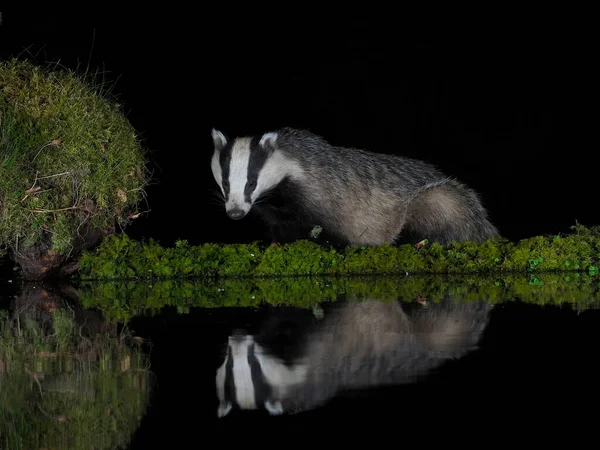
(536, 371)
(365, 370)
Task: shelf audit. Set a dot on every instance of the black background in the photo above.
(507, 108)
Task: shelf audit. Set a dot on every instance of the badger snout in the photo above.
(236, 213)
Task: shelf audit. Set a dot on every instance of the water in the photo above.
(365, 366)
(535, 373)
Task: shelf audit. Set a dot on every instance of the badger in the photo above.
(358, 345)
(252, 378)
(296, 181)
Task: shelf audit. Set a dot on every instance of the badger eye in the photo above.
(225, 184)
(252, 185)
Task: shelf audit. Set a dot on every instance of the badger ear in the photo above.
(268, 141)
(224, 409)
(219, 139)
(275, 408)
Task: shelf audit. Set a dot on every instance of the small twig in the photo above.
(54, 143)
(52, 210)
(52, 354)
(80, 225)
(63, 390)
(32, 188)
(55, 175)
(55, 418)
(72, 311)
(36, 380)
(37, 191)
(43, 147)
(34, 181)
(137, 214)
(49, 336)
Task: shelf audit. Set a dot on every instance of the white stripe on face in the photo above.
(242, 374)
(238, 175)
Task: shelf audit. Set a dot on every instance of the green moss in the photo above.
(68, 156)
(119, 257)
(122, 300)
(236, 259)
(63, 390)
(299, 258)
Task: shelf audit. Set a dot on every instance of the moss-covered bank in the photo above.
(120, 257)
(72, 167)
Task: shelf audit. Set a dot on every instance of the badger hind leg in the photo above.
(446, 211)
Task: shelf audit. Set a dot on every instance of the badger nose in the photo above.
(236, 214)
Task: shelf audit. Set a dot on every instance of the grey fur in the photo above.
(361, 345)
(363, 198)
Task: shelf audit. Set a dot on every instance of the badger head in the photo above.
(245, 168)
(250, 378)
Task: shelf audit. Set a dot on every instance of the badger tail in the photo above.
(447, 211)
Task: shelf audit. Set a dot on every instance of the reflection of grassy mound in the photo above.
(60, 390)
(122, 258)
(70, 166)
(121, 300)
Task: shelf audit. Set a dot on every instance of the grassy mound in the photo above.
(71, 165)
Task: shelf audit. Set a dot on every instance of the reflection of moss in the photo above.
(122, 300)
(122, 258)
(61, 390)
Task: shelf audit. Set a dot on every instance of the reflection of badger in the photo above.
(358, 345)
(254, 378)
(295, 180)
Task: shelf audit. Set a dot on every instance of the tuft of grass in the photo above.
(68, 157)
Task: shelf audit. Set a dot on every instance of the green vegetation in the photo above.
(68, 158)
(120, 301)
(125, 278)
(120, 257)
(59, 389)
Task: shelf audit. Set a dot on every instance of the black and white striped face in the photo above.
(244, 168)
(244, 379)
